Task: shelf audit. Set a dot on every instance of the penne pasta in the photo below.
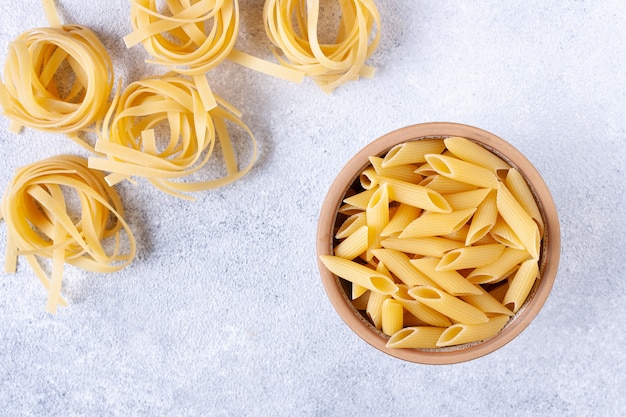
(417, 337)
(362, 199)
(521, 284)
(400, 172)
(467, 333)
(467, 199)
(421, 311)
(463, 171)
(437, 224)
(416, 195)
(412, 152)
(368, 178)
(448, 305)
(424, 246)
(519, 220)
(503, 233)
(400, 265)
(486, 303)
(404, 215)
(353, 245)
(500, 268)
(359, 274)
(483, 220)
(374, 309)
(350, 225)
(471, 152)
(470, 257)
(451, 281)
(518, 186)
(360, 297)
(377, 217)
(392, 316)
(445, 185)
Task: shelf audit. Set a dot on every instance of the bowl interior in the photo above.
(338, 290)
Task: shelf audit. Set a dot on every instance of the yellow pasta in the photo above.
(351, 225)
(362, 199)
(484, 219)
(57, 79)
(467, 333)
(400, 265)
(521, 284)
(424, 246)
(399, 172)
(445, 185)
(42, 224)
(377, 216)
(519, 220)
(353, 245)
(448, 305)
(503, 233)
(404, 215)
(450, 281)
(128, 139)
(359, 274)
(518, 186)
(416, 195)
(486, 303)
(374, 308)
(412, 152)
(470, 257)
(467, 199)
(499, 268)
(463, 171)
(392, 316)
(437, 224)
(418, 309)
(471, 152)
(292, 27)
(420, 337)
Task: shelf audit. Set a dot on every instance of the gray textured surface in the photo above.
(223, 313)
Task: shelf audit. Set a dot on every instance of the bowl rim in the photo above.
(549, 259)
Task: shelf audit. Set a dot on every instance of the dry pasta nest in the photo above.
(163, 129)
(59, 209)
(292, 26)
(188, 37)
(57, 79)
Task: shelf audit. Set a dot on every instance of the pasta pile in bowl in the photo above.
(438, 243)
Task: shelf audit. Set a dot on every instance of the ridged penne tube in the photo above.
(362, 199)
(416, 195)
(520, 221)
(500, 268)
(437, 224)
(503, 233)
(368, 178)
(425, 170)
(392, 316)
(469, 151)
(358, 292)
(451, 281)
(467, 333)
(412, 152)
(518, 186)
(467, 199)
(463, 171)
(359, 274)
(399, 172)
(424, 246)
(521, 284)
(353, 245)
(374, 309)
(350, 225)
(486, 303)
(470, 257)
(419, 310)
(445, 185)
(416, 337)
(400, 265)
(377, 216)
(404, 215)
(448, 305)
(483, 220)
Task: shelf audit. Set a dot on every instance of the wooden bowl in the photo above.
(338, 289)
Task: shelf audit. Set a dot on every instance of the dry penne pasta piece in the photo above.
(353, 245)
(486, 303)
(404, 215)
(470, 257)
(451, 281)
(421, 311)
(467, 333)
(357, 293)
(416, 195)
(412, 152)
(374, 309)
(399, 264)
(425, 170)
(362, 199)
(423, 246)
(521, 284)
(377, 216)
(437, 224)
(518, 186)
(416, 337)
(503, 233)
(463, 171)
(368, 178)
(519, 220)
(471, 152)
(392, 316)
(359, 274)
(449, 305)
(459, 234)
(500, 268)
(399, 172)
(483, 220)
(353, 223)
(467, 199)
(349, 209)
(445, 185)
